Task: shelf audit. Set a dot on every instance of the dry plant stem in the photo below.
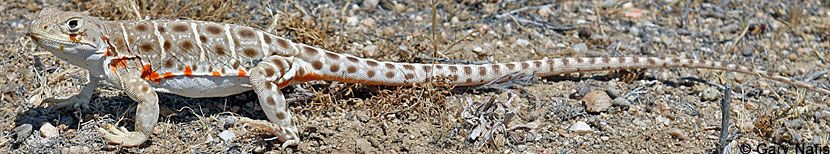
(725, 106)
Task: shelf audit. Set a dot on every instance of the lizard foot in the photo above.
(273, 129)
(78, 102)
(122, 136)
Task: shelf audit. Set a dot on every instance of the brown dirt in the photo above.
(665, 115)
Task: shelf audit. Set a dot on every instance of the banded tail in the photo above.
(327, 65)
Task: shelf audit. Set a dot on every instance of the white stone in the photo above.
(580, 127)
(48, 131)
(227, 135)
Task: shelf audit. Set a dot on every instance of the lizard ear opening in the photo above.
(74, 24)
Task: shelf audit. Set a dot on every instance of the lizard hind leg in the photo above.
(267, 78)
(147, 112)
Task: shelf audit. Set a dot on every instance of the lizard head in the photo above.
(69, 35)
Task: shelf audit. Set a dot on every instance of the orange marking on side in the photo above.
(216, 73)
(147, 73)
(283, 84)
(188, 71)
(241, 72)
(167, 75)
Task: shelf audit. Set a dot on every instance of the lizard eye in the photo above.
(74, 24)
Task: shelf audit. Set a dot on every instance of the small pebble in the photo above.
(580, 127)
(371, 49)
(613, 92)
(371, 4)
(627, 5)
(364, 145)
(48, 131)
(792, 57)
(710, 94)
(75, 150)
(747, 50)
(750, 106)
(739, 78)
(580, 48)
(679, 134)
(23, 131)
(621, 102)
(545, 11)
(661, 107)
(361, 115)
(478, 50)
(596, 101)
(522, 43)
(824, 114)
(639, 122)
(227, 135)
(352, 21)
(663, 120)
(400, 8)
(608, 3)
(794, 124)
(369, 23)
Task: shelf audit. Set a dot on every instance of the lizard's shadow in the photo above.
(172, 108)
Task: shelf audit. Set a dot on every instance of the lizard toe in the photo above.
(122, 137)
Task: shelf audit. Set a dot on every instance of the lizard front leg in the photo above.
(267, 78)
(80, 100)
(147, 112)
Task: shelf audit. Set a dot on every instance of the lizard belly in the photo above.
(203, 86)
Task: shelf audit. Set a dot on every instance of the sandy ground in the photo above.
(655, 111)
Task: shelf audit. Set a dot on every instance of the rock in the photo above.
(747, 51)
(596, 101)
(794, 124)
(369, 23)
(371, 4)
(400, 7)
(750, 106)
(824, 114)
(608, 3)
(371, 49)
(478, 50)
(634, 13)
(678, 134)
(545, 11)
(352, 21)
(227, 135)
(48, 131)
(621, 102)
(580, 48)
(710, 94)
(663, 120)
(614, 93)
(364, 145)
(361, 116)
(75, 150)
(522, 43)
(22, 132)
(580, 127)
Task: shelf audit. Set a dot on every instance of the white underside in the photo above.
(203, 86)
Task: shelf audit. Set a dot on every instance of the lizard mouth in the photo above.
(52, 42)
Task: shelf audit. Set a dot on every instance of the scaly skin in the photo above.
(206, 59)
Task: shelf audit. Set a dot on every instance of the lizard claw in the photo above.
(122, 136)
(76, 101)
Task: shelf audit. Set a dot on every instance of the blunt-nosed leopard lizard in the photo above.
(206, 59)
